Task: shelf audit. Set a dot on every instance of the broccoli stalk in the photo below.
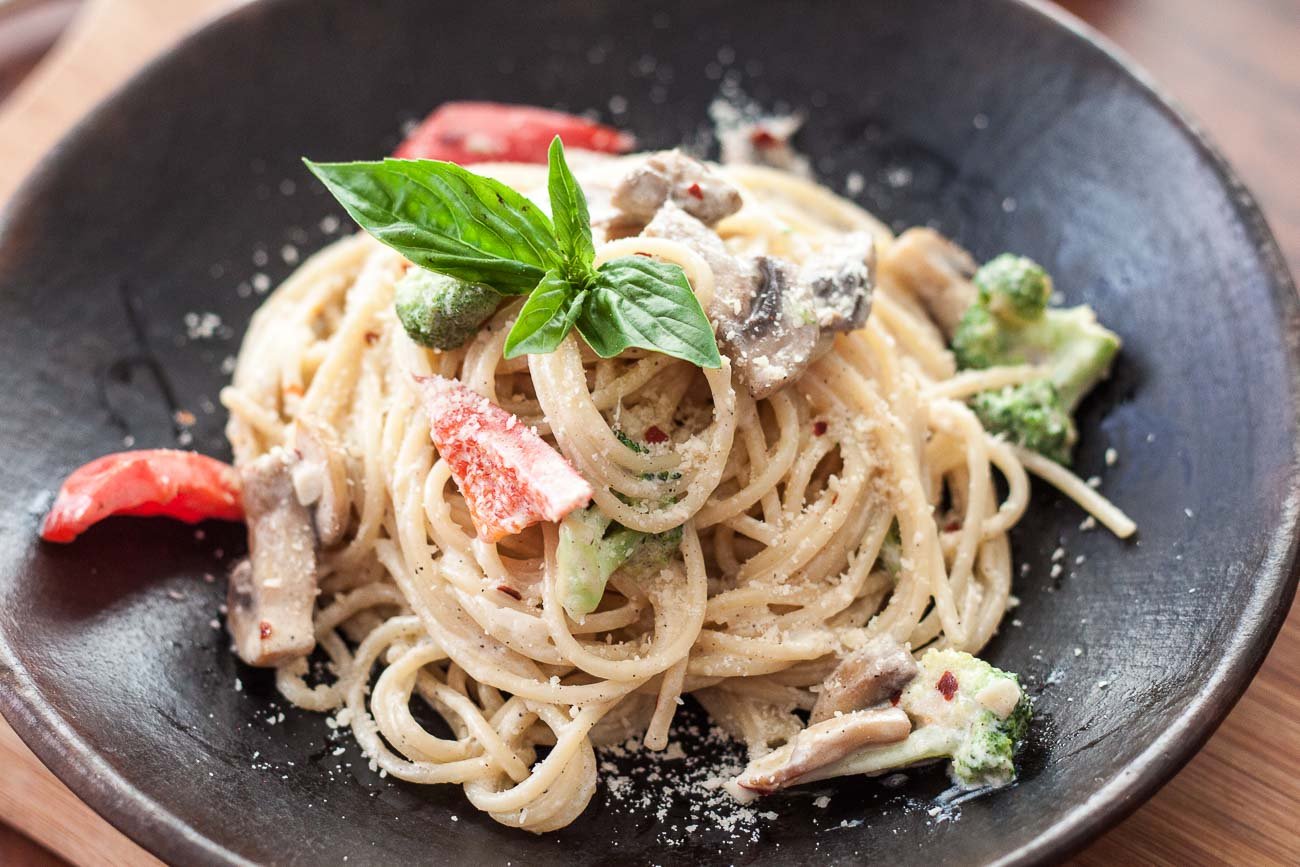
(1010, 323)
(442, 312)
(592, 548)
(962, 709)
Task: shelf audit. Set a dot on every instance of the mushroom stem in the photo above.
(820, 745)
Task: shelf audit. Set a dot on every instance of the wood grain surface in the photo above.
(1234, 65)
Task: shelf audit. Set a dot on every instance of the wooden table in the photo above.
(1234, 65)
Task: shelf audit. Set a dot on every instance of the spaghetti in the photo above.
(859, 500)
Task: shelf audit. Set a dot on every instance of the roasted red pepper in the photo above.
(183, 485)
(478, 132)
(509, 476)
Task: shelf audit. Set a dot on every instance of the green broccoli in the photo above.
(980, 339)
(642, 553)
(592, 548)
(1013, 288)
(1009, 324)
(962, 709)
(442, 312)
(1030, 415)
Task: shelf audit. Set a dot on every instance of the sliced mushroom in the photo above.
(841, 275)
(320, 476)
(820, 745)
(272, 594)
(778, 335)
(864, 678)
(753, 305)
(773, 318)
(674, 176)
(936, 271)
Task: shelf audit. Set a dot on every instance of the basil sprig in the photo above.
(447, 219)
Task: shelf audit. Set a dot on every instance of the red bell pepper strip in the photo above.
(478, 132)
(183, 485)
(509, 476)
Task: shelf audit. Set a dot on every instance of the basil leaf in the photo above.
(569, 211)
(636, 301)
(546, 318)
(447, 219)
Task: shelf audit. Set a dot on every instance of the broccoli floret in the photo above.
(1013, 288)
(442, 312)
(962, 709)
(642, 553)
(1075, 348)
(1010, 324)
(592, 548)
(1031, 415)
(987, 756)
(980, 340)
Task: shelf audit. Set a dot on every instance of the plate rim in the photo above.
(151, 825)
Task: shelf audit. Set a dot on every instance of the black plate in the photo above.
(997, 122)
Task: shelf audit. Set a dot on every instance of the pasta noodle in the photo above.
(786, 504)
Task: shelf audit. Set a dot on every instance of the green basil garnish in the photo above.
(637, 301)
(446, 219)
(547, 317)
(449, 220)
(569, 210)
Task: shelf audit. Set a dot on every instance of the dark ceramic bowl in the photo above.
(1001, 123)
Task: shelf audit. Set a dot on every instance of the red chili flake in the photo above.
(761, 138)
(640, 253)
(947, 685)
(896, 697)
(294, 389)
(952, 526)
(510, 591)
(371, 337)
(654, 436)
(819, 428)
(694, 190)
(264, 629)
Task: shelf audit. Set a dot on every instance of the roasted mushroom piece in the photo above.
(775, 318)
(672, 176)
(841, 275)
(777, 336)
(868, 676)
(820, 745)
(272, 593)
(936, 271)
